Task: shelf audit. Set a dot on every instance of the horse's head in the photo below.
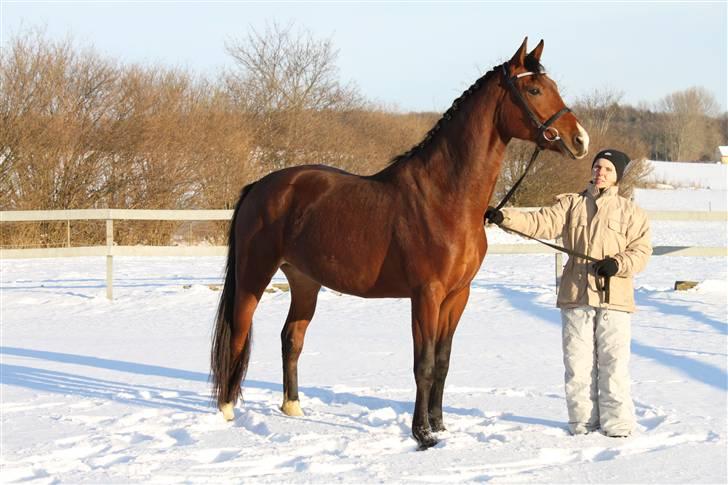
(533, 109)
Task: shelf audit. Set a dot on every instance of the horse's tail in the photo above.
(228, 372)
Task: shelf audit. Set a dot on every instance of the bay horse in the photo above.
(413, 230)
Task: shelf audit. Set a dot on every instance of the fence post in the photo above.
(68, 233)
(109, 259)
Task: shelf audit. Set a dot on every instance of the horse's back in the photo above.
(295, 192)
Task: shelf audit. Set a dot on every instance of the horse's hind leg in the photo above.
(252, 277)
(304, 293)
(245, 304)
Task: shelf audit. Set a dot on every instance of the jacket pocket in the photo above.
(617, 226)
(578, 235)
(615, 239)
(621, 292)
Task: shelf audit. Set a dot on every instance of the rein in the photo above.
(550, 134)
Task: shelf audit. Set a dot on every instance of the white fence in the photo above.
(111, 249)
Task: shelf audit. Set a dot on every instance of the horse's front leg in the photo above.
(450, 313)
(425, 318)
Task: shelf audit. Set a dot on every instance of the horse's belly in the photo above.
(365, 268)
(377, 290)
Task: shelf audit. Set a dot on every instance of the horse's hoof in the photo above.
(426, 442)
(292, 408)
(228, 411)
(425, 439)
(437, 425)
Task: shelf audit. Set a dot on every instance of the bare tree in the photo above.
(687, 129)
(283, 69)
(597, 109)
(54, 102)
(281, 74)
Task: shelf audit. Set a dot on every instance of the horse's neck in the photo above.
(462, 163)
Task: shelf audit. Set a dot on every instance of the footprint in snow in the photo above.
(181, 437)
(253, 423)
(216, 455)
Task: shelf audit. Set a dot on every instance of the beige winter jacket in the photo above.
(597, 225)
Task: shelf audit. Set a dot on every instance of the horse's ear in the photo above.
(520, 56)
(536, 53)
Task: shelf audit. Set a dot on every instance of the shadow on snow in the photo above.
(524, 301)
(91, 387)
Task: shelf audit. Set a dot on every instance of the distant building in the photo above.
(723, 154)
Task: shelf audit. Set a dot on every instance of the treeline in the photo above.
(79, 130)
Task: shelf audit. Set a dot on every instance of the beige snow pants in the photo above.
(596, 345)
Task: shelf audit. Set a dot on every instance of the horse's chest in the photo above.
(455, 259)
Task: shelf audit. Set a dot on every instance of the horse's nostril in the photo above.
(579, 140)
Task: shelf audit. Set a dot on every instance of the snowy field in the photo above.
(683, 174)
(686, 187)
(107, 392)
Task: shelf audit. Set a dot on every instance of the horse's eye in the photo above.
(534, 91)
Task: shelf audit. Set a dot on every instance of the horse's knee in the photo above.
(440, 372)
(425, 372)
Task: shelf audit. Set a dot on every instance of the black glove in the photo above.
(606, 267)
(494, 216)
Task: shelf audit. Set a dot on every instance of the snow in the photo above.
(685, 174)
(682, 199)
(685, 187)
(117, 391)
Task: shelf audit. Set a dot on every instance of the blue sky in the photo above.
(420, 55)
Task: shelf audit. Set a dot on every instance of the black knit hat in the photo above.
(620, 160)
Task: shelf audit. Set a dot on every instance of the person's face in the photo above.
(604, 175)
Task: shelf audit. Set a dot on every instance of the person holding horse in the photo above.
(595, 299)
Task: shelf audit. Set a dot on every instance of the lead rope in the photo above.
(602, 287)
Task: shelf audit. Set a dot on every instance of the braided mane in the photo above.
(531, 64)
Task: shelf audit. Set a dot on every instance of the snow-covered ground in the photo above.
(686, 187)
(682, 199)
(712, 176)
(107, 392)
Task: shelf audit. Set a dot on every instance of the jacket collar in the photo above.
(593, 191)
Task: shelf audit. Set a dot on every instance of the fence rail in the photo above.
(226, 214)
(111, 249)
(117, 214)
